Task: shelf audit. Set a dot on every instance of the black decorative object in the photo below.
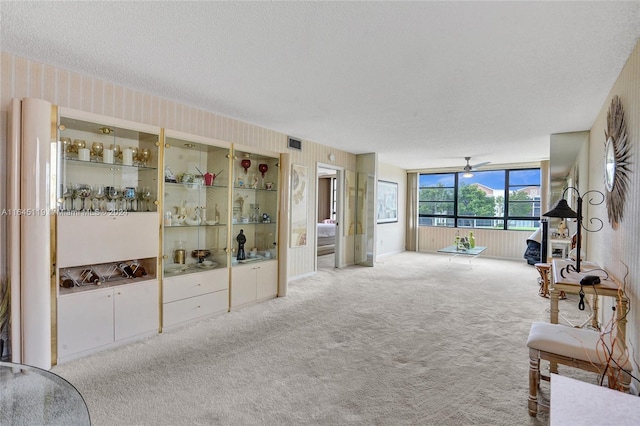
(562, 210)
(241, 239)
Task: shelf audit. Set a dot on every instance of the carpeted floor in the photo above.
(420, 339)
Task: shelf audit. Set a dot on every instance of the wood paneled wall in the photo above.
(619, 248)
(502, 244)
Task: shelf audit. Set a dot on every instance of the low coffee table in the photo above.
(454, 251)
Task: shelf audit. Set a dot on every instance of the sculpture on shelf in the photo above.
(241, 239)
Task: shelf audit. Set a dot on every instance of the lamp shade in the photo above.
(561, 210)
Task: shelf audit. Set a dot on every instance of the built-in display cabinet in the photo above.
(107, 231)
(254, 226)
(195, 228)
(150, 229)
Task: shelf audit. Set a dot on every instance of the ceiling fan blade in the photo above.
(475, 166)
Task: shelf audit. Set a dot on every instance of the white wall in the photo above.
(391, 236)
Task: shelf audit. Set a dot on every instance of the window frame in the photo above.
(506, 218)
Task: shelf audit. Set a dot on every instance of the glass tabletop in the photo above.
(470, 252)
(30, 395)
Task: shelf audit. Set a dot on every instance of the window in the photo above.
(494, 199)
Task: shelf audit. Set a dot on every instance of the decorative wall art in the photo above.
(299, 205)
(387, 202)
(616, 162)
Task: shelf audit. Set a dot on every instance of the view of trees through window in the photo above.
(495, 199)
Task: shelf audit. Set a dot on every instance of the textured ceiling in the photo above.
(424, 84)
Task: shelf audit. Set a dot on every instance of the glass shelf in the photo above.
(94, 163)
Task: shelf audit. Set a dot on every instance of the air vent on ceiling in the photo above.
(295, 144)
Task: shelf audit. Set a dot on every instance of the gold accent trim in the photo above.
(160, 209)
(230, 179)
(53, 232)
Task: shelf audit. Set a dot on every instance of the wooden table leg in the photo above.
(595, 316)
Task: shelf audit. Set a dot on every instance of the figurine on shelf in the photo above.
(241, 239)
(169, 176)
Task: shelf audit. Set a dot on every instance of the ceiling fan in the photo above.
(469, 168)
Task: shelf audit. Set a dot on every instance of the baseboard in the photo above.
(391, 253)
(297, 277)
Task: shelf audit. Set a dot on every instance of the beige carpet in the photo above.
(420, 339)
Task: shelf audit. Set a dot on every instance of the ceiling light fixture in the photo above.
(467, 175)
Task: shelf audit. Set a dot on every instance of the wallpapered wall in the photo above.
(613, 247)
(21, 78)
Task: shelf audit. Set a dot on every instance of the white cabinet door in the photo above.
(85, 321)
(136, 309)
(87, 240)
(243, 285)
(267, 279)
(254, 281)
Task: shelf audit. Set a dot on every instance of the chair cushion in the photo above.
(577, 343)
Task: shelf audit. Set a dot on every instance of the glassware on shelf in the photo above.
(98, 196)
(144, 156)
(96, 150)
(66, 146)
(83, 191)
(145, 198)
(114, 194)
(130, 195)
(117, 152)
(134, 155)
(68, 191)
(245, 163)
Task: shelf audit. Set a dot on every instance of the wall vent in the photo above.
(295, 144)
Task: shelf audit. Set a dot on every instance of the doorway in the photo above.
(328, 216)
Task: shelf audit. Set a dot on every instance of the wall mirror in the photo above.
(568, 166)
(616, 161)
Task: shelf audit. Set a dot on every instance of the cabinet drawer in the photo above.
(84, 240)
(195, 307)
(184, 286)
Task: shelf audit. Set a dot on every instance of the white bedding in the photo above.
(326, 230)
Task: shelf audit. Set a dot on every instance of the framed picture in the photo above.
(387, 202)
